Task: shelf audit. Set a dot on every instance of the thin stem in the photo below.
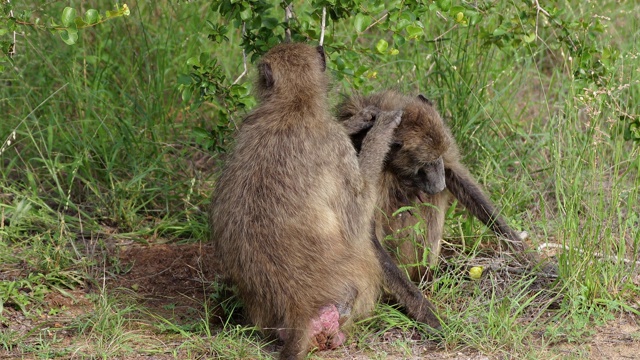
(244, 59)
(324, 16)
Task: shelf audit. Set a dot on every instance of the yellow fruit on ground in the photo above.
(475, 272)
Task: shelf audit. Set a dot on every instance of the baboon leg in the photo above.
(362, 120)
(471, 196)
(296, 339)
(403, 290)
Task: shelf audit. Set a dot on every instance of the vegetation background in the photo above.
(108, 152)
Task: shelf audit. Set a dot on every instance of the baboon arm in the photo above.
(469, 194)
(405, 292)
(376, 145)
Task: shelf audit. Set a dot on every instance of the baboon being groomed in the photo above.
(291, 214)
(423, 160)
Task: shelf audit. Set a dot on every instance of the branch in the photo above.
(244, 59)
(287, 17)
(386, 12)
(539, 10)
(324, 16)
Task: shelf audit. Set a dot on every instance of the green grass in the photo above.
(98, 153)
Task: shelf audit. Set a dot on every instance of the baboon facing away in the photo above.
(423, 159)
(292, 211)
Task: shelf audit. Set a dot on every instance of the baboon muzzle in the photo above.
(430, 178)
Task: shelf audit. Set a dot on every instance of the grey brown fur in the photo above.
(291, 213)
(423, 149)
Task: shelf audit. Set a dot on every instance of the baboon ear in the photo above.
(320, 50)
(266, 74)
(425, 100)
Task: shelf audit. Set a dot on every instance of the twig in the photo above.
(539, 10)
(445, 33)
(386, 12)
(324, 16)
(287, 18)
(612, 258)
(244, 60)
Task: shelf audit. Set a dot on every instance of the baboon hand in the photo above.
(369, 114)
(390, 119)
(364, 119)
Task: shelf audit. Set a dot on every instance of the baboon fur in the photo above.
(291, 214)
(419, 141)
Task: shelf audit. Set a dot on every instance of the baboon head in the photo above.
(292, 66)
(420, 141)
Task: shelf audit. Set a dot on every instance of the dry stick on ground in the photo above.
(499, 265)
(612, 258)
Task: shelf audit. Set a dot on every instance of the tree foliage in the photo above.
(66, 25)
(461, 35)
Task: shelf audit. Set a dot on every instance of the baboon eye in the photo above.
(396, 145)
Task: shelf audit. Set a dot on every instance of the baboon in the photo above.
(422, 161)
(292, 213)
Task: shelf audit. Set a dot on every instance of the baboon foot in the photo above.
(325, 329)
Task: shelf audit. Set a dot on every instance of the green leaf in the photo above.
(184, 79)
(444, 5)
(499, 31)
(186, 94)
(381, 46)
(402, 23)
(270, 23)
(69, 36)
(68, 17)
(414, 31)
(529, 38)
(92, 16)
(246, 14)
(194, 61)
(360, 22)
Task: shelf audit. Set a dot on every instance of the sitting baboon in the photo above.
(423, 159)
(291, 214)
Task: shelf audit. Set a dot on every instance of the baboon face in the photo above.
(419, 143)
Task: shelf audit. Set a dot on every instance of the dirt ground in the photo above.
(172, 281)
